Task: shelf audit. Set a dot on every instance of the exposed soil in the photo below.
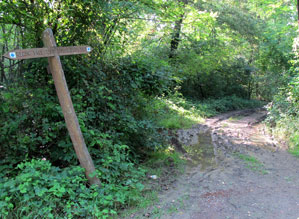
(236, 171)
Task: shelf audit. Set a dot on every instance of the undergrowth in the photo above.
(175, 111)
(160, 162)
(252, 163)
(283, 116)
(286, 128)
(36, 188)
(42, 190)
(161, 167)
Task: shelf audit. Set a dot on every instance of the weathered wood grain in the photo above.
(46, 52)
(68, 109)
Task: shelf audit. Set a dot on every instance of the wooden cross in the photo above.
(53, 52)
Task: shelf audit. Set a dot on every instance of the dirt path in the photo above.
(239, 172)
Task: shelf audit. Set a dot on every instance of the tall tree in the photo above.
(175, 40)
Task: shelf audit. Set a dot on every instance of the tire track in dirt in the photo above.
(252, 175)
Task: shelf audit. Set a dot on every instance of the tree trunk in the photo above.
(3, 78)
(176, 37)
(249, 91)
(174, 44)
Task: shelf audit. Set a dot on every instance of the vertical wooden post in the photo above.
(68, 109)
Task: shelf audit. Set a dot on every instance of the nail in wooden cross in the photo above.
(53, 52)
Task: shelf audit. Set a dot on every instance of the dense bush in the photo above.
(213, 107)
(175, 111)
(123, 91)
(108, 100)
(230, 77)
(42, 190)
(283, 115)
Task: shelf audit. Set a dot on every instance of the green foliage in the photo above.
(166, 164)
(163, 161)
(168, 114)
(227, 51)
(213, 107)
(283, 115)
(177, 112)
(42, 190)
(219, 80)
(252, 163)
(294, 141)
(236, 16)
(109, 102)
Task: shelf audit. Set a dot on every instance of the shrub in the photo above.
(108, 99)
(175, 111)
(284, 113)
(42, 190)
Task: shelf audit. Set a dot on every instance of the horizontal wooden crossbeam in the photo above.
(46, 52)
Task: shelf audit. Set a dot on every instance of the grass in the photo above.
(287, 129)
(224, 125)
(161, 162)
(148, 199)
(295, 151)
(170, 113)
(166, 165)
(158, 211)
(294, 143)
(177, 112)
(252, 163)
(178, 204)
(235, 118)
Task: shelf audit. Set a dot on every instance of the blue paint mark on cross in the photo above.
(12, 55)
(52, 52)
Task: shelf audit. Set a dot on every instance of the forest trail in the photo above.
(240, 172)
